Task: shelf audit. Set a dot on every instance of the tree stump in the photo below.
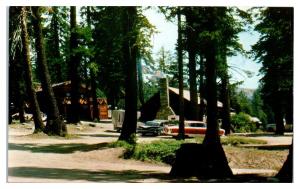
(202, 161)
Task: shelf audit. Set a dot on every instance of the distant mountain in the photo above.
(247, 91)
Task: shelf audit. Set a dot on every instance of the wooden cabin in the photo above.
(166, 100)
(62, 93)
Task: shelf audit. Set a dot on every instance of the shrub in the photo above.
(242, 123)
(160, 151)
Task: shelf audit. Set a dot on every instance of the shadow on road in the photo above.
(58, 148)
(288, 134)
(128, 176)
(85, 175)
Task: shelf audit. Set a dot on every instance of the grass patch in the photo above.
(234, 140)
(158, 151)
(119, 143)
(164, 150)
(238, 140)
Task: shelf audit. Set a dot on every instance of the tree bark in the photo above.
(181, 133)
(217, 158)
(191, 46)
(130, 54)
(286, 172)
(56, 48)
(202, 88)
(140, 80)
(73, 116)
(55, 124)
(19, 85)
(96, 116)
(39, 126)
(226, 100)
(20, 102)
(211, 135)
(289, 109)
(278, 114)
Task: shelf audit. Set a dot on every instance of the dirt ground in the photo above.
(84, 157)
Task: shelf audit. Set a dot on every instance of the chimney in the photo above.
(165, 110)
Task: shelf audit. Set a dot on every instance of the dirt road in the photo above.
(84, 158)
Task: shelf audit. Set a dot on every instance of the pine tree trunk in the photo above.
(191, 45)
(202, 88)
(20, 103)
(73, 116)
(286, 172)
(181, 133)
(56, 49)
(289, 109)
(39, 126)
(226, 101)
(55, 124)
(19, 85)
(211, 135)
(140, 81)
(278, 114)
(217, 161)
(96, 116)
(130, 53)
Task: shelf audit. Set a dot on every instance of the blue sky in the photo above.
(167, 37)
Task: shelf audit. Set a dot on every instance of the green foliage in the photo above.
(132, 139)
(108, 36)
(242, 123)
(160, 151)
(56, 35)
(258, 107)
(100, 94)
(240, 102)
(150, 88)
(164, 150)
(274, 50)
(164, 60)
(120, 143)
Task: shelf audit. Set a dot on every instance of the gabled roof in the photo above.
(66, 84)
(186, 95)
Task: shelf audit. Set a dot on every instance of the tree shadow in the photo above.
(267, 146)
(111, 131)
(274, 147)
(58, 148)
(266, 134)
(130, 176)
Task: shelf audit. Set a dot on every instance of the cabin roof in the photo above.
(186, 95)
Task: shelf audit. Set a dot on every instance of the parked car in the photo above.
(190, 128)
(272, 127)
(154, 127)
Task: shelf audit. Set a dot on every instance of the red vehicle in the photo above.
(190, 128)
